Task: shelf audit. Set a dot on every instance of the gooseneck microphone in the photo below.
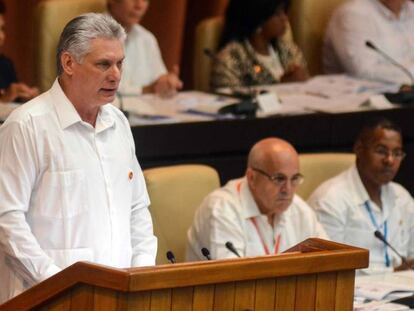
(373, 47)
(206, 253)
(381, 237)
(231, 248)
(170, 256)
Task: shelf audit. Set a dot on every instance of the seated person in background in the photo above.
(388, 24)
(10, 88)
(259, 213)
(363, 199)
(253, 47)
(143, 69)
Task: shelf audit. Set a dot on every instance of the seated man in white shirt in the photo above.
(143, 69)
(363, 199)
(388, 24)
(71, 187)
(260, 214)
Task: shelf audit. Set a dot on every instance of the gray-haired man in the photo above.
(71, 187)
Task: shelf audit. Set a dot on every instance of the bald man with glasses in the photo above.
(363, 199)
(259, 213)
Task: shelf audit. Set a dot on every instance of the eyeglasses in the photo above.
(280, 179)
(397, 154)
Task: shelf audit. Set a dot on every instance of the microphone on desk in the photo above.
(206, 253)
(381, 237)
(231, 248)
(247, 106)
(170, 256)
(373, 47)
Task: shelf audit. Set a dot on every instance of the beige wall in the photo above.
(172, 21)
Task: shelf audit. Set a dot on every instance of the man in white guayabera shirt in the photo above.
(71, 187)
(260, 214)
(363, 199)
(388, 24)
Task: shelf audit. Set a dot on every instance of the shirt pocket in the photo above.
(62, 194)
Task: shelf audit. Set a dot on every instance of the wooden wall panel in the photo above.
(182, 299)
(105, 299)
(19, 42)
(161, 300)
(166, 19)
(139, 301)
(265, 295)
(344, 290)
(203, 298)
(224, 297)
(82, 298)
(245, 295)
(305, 293)
(285, 294)
(325, 291)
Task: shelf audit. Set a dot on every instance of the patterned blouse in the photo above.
(244, 67)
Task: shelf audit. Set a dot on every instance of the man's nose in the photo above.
(115, 73)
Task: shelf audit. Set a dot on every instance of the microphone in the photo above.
(170, 256)
(247, 106)
(206, 253)
(381, 237)
(373, 47)
(232, 249)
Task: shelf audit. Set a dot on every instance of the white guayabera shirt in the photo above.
(358, 21)
(231, 214)
(69, 192)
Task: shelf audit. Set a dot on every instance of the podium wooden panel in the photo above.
(314, 275)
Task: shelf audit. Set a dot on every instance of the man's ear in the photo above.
(67, 61)
(250, 176)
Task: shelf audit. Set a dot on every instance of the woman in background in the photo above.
(253, 49)
(10, 89)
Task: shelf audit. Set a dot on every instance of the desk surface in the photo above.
(224, 144)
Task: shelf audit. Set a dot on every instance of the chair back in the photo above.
(51, 16)
(175, 193)
(309, 19)
(318, 167)
(207, 36)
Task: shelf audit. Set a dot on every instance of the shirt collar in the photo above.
(68, 115)
(105, 119)
(65, 110)
(246, 199)
(361, 195)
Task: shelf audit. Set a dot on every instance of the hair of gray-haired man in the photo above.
(77, 35)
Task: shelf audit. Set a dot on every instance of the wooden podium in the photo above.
(314, 275)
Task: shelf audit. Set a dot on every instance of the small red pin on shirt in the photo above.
(130, 175)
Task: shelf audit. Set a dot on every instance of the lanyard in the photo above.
(374, 222)
(266, 249)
